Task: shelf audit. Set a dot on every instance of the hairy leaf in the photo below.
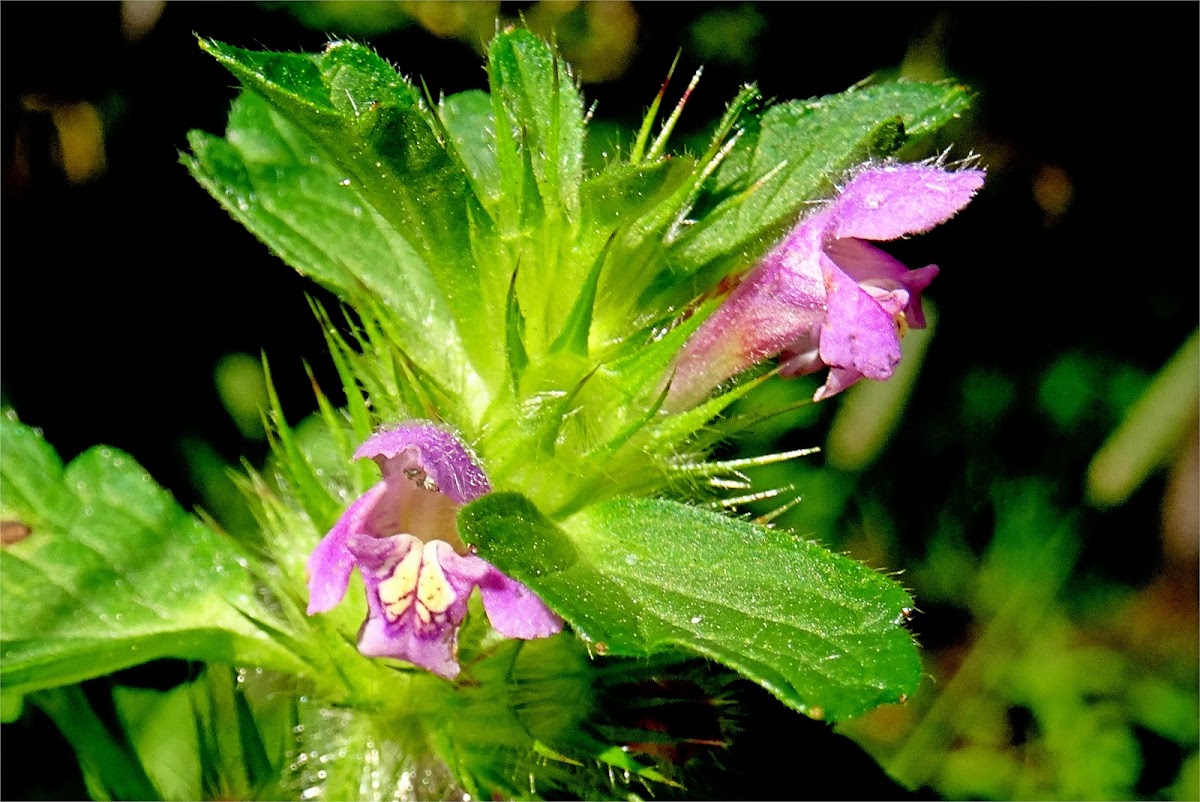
(374, 127)
(823, 633)
(273, 179)
(112, 573)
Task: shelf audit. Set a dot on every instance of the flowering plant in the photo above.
(539, 356)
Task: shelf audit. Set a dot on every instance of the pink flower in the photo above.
(402, 537)
(825, 296)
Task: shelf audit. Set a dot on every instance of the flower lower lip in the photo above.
(402, 537)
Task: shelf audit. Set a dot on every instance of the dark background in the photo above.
(121, 293)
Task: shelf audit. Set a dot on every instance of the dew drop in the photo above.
(696, 619)
(631, 559)
(345, 182)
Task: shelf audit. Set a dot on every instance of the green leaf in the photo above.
(636, 576)
(372, 126)
(637, 203)
(798, 150)
(12, 705)
(224, 735)
(469, 120)
(113, 573)
(1152, 431)
(167, 748)
(514, 333)
(534, 93)
(270, 177)
(574, 335)
(538, 138)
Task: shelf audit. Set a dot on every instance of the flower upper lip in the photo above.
(423, 449)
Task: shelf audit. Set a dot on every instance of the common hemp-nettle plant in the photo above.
(538, 360)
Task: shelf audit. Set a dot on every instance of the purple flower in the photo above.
(825, 296)
(402, 537)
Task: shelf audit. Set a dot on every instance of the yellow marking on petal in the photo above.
(396, 591)
(433, 588)
(422, 613)
(394, 611)
(901, 325)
